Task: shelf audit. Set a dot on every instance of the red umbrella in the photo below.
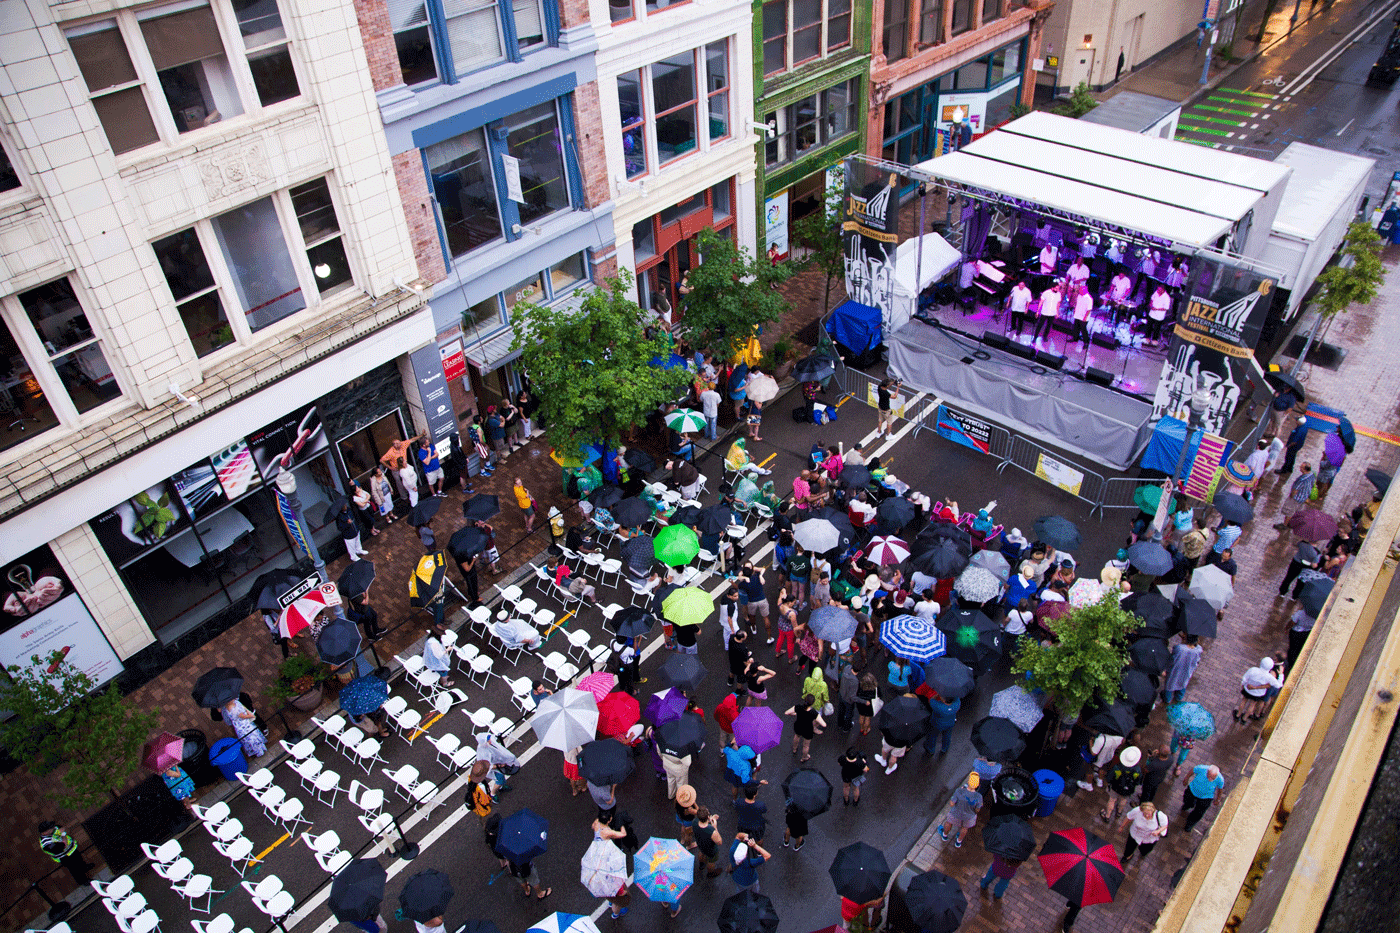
(162, 751)
(617, 712)
(727, 712)
(1081, 867)
(1048, 611)
(301, 614)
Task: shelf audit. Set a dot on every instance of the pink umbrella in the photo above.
(1085, 592)
(759, 728)
(162, 751)
(599, 683)
(889, 550)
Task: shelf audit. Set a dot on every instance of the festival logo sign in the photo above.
(871, 234)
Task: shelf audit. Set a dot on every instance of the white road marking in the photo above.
(1344, 129)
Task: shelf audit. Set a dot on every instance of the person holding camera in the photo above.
(889, 400)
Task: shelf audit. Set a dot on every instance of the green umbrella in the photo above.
(676, 545)
(685, 421)
(1147, 499)
(688, 605)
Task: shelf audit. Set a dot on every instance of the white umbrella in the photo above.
(1213, 585)
(566, 719)
(816, 535)
(977, 585)
(763, 388)
(1017, 705)
(603, 870)
(888, 550)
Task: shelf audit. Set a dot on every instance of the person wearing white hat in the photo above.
(1254, 690)
(1123, 780)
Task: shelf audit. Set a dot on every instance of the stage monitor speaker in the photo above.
(1049, 360)
(1099, 377)
(995, 341)
(1021, 350)
(1105, 339)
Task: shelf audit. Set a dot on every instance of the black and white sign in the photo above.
(433, 392)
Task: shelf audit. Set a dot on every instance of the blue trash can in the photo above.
(227, 756)
(1051, 787)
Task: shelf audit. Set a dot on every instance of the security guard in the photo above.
(63, 848)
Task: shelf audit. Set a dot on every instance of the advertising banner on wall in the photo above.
(288, 442)
(144, 521)
(433, 392)
(870, 225)
(775, 219)
(454, 360)
(964, 429)
(41, 615)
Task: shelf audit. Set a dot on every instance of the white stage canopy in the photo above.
(912, 276)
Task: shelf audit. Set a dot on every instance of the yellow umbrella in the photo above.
(688, 605)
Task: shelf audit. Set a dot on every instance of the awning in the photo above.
(493, 351)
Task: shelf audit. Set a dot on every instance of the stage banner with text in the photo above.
(1208, 458)
(870, 234)
(964, 429)
(1058, 473)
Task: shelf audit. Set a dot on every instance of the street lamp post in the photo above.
(287, 497)
(1200, 401)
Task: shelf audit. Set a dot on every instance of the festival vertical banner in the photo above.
(871, 233)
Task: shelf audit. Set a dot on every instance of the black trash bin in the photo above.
(1015, 791)
(196, 758)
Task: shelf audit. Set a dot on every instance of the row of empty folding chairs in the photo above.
(229, 840)
(352, 741)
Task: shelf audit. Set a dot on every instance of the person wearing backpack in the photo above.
(1124, 776)
(1146, 827)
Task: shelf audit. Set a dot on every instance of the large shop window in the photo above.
(798, 31)
(812, 122)
(662, 248)
(159, 72)
(661, 110)
(478, 34)
(468, 175)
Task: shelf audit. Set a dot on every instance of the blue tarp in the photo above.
(1164, 447)
(855, 326)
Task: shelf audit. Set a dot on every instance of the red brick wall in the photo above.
(418, 210)
(589, 123)
(573, 12)
(604, 268)
(377, 34)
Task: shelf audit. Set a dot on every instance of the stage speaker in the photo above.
(995, 341)
(1049, 360)
(1021, 350)
(1105, 339)
(1099, 377)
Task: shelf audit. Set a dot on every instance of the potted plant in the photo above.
(784, 358)
(299, 680)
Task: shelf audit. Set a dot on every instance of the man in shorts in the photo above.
(962, 810)
(432, 468)
(751, 585)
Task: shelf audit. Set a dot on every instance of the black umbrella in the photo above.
(639, 460)
(1314, 595)
(940, 530)
(605, 497)
(633, 622)
(814, 368)
(1150, 607)
(971, 637)
(481, 507)
(896, 511)
(604, 762)
(949, 678)
(681, 737)
(1111, 719)
(808, 790)
(1058, 532)
(1137, 687)
(356, 578)
(338, 642)
(1009, 836)
(686, 515)
(334, 508)
(217, 687)
(658, 599)
(425, 895)
(682, 671)
(424, 512)
(860, 872)
(631, 512)
(272, 584)
(998, 739)
(523, 837)
(903, 720)
(714, 520)
(1282, 380)
(856, 475)
(1378, 478)
(357, 890)
(936, 903)
(1150, 655)
(639, 552)
(941, 557)
(1233, 508)
(748, 912)
(1150, 557)
(467, 542)
(1198, 617)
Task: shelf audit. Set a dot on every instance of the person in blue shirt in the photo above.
(1296, 439)
(747, 855)
(751, 815)
(899, 675)
(738, 765)
(940, 729)
(1202, 789)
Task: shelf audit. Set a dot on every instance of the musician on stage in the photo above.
(1077, 276)
(1049, 307)
(1019, 303)
(1158, 309)
(1118, 293)
(1083, 308)
(1049, 256)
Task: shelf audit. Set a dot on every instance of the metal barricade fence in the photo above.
(1025, 454)
(1118, 493)
(858, 385)
(998, 438)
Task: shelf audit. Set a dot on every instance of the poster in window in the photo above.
(236, 471)
(43, 615)
(775, 218)
(141, 522)
(199, 489)
(288, 442)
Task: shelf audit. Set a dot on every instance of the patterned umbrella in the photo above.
(685, 421)
(603, 869)
(688, 605)
(1192, 720)
(599, 683)
(617, 712)
(1085, 592)
(1213, 585)
(561, 922)
(1081, 867)
(912, 638)
(663, 870)
(1015, 704)
(978, 585)
(566, 719)
(676, 545)
(1312, 525)
(664, 707)
(888, 551)
(759, 728)
(363, 695)
(994, 563)
(763, 388)
(832, 623)
(162, 751)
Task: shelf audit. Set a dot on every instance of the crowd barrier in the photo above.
(1082, 483)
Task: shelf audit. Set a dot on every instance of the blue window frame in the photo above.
(447, 40)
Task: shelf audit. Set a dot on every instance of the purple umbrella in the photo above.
(759, 728)
(665, 706)
(1334, 449)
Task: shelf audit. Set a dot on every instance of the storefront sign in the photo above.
(454, 360)
(1058, 473)
(433, 392)
(288, 442)
(297, 592)
(775, 216)
(964, 429)
(973, 106)
(46, 616)
(1209, 455)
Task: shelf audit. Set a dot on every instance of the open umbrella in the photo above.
(633, 622)
(888, 550)
(631, 512)
(1313, 595)
(1198, 618)
(687, 515)
(759, 728)
(971, 637)
(603, 868)
(363, 695)
(639, 551)
(936, 902)
(860, 872)
(665, 706)
(763, 388)
(466, 542)
(681, 736)
(903, 720)
(949, 678)
(832, 623)
(1111, 719)
(424, 512)
(1085, 592)
(994, 563)
(162, 751)
(676, 545)
(1050, 610)
(808, 790)
(357, 890)
(1312, 525)
(683, 671)
(1058, 532)
(1281, 380)
(941, 557)
(977, 585)
(1150, 557)
(425, 896)
(605, 497)
(1192, 720)
(856, 475)
(1150, 607)
(565, 719)
(604, 762)
(333, 508)
(1137, 687)
(300, 614)
(998, 739)
(913, 638)
(271, 585)
(659, 597)
(1009, 836)
(339, 641)
(895, 512)
(355, 579)
(1081, 867)
(663, 869)
(481, 507)
(1147, 498)
(1233, 507)
(817, 535)
(427, 580)
(599, 684)
(617, 712)
(1015, 704)
(688, 605)
(639, 460)
(1150, 655)
(714, 520)
(685, 421)
(523, 836)
(1378, 478)
(748, 912)
(216, 687)
(561, 922)
(1213, 585)
(814, 368)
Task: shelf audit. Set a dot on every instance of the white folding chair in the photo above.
(300, 751)
(333, 727)
(238, 851)
(326, 848)
(446, 699)
(482, 718)
(481, 669)
(467, 650)
(281, 808)
(176, 872)
(128, 907)
(367, 753)
(350, 740)
(223, 923)
(195, 887)
(376, 824)
(578, 641)
(166, 852)
(641, 593)
(480, 620)
(409, 786)
(509, 594)
(278, 906)
(592, 561)
(543, 581)
(121, 886)
(543, 620)
(524, 607)
(449, 751)
(144, 922)
(520, 692)
(227, 830)
(510, 653)
(406, 720)
(502, 726)
(449, 638)
(264, 889)
(411, 664)
(327, 782)
(258, 780)
(215, 813)
(307, 769)
(558, 668)
(427, 682)
(368, 799)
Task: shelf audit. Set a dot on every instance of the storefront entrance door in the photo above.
(360, 452)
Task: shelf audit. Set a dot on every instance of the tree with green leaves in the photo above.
(1085, 661)
(1353, 282)
(820, 232)
(592, 368)
(731, 295)
(1081, 101)
(61, 717)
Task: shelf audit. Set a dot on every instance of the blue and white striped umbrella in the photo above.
(912, 638)
(565, 923)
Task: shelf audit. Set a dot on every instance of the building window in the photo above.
(70, 348)
(460, 170)
(534, 141)
(413, 40)
(811, 122)
(529, 24)
(9, 178)
(320, 234)
(931, 22)
(962, 16)
(1006, 63)
(660, 273)
(797, 31)
(991, 9)
(482, 319)
(23, 403)
(180, 54)
(473, 34)
(970, 77)
(620, 11)
(257, 259)
(896, 35)
(659, 107)
(491, 315)
(196, 294)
